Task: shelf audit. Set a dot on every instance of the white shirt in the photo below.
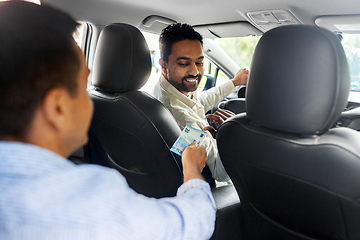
(190, 110)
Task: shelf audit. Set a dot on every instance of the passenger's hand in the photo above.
(193, 159)
(241, 77)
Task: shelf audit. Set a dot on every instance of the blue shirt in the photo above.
(44, 196)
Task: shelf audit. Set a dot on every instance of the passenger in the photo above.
(182, 63)
(45, 114)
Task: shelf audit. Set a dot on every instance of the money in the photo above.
(188, 135)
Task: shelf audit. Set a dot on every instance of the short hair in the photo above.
(37, 54)
(175, 33)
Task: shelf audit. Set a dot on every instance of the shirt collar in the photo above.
(167, 86)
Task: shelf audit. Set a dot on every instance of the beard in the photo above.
(184, 85)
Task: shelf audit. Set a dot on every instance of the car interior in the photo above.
(292, 149)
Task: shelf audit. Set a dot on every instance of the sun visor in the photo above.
(266, 20)
(344, 24)
(154, 24)
(224, 30)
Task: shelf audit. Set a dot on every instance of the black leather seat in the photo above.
(131, 131)
(296, 177)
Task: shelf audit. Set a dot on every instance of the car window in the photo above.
(214, 71)
(80, 35)
(83, 38)
(240, 49)
(351, 44)
(153, 43)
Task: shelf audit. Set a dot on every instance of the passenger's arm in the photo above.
(189, 215)
(114, 211)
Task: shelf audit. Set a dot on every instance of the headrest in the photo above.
(122, 60)
(299, 80)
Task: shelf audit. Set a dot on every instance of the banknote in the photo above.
(188, 135)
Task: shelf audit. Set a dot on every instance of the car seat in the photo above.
(297, 178)
(131, 131)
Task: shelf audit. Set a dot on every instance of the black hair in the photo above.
(175, 33)
(37, 54)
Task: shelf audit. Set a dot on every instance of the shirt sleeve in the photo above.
(214, 95)
(189, 215)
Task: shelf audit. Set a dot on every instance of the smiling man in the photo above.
(185, 66)
(182, 63)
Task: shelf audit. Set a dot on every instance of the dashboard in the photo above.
(350, 117)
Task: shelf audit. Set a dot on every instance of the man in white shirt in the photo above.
(182, 63)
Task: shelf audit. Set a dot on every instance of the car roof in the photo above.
(202, 13)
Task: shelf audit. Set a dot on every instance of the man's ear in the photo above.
(55, 107)
(164, 67)
(162, 63)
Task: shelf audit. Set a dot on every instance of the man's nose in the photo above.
(193, 70)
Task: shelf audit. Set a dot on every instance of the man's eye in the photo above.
(183, 64)
(200, 63)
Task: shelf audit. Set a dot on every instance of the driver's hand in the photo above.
(211, 130)
(241, 77)
(220, 116)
